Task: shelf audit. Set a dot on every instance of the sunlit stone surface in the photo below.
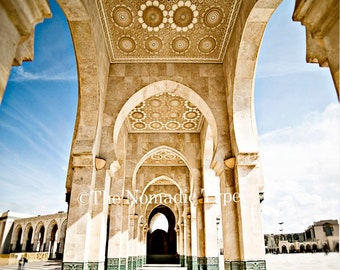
(303, 261)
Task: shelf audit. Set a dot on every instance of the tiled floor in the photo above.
(49, 265)
(308, 261)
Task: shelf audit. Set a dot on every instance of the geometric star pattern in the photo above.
(167, 30)
(165, 112)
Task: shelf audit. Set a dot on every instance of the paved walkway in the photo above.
(162, 267)
(49, 265)
(306, 261)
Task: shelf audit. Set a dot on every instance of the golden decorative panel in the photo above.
(165, 113)
(164, 157)
(167, 30)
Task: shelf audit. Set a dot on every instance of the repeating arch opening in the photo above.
(244, 123)
(162, 244)
(165, 86)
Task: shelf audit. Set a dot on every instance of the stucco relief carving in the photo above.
(160, 30)
(165, 113)
(164, 157)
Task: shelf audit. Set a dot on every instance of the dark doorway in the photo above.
(53, 248)
(161, 237)
(29, 246)
(40, 246)
(18, 242)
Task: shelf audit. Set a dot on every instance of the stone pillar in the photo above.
(188, 238)
(133, 241)
(77, 244)
(99, 211)
(87, 217)
(18, 19)
(124, 240)
(141, 251)
(181, 242)
(250, 228)
(115, 218)
(229, 217)
(114, 244)
(145, 236)
(201, 237)
(194, 243)
(210, 231)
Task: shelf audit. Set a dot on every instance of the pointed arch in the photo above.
(39, 236)
(159, 178)
(91, 82)
(164, 86)
(161, 245)
(17, 239)
(28, 237)
(243, 116)
(50, 229)
(150, 153)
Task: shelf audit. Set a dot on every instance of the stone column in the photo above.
(194, 243)
(87, 217)
(133, 241)
(124, 240)
(201, 237)
(114, 244)
(229, 217)
(77, 244)
(99, 212)
(210, 231)
(141, 251)
(181, 242)
(115, 218)
(188, 238)
(145, 236)
(250, 228)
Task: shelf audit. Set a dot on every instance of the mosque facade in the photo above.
(321, 236)
(165, 127)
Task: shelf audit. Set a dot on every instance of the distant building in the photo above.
(322, 235)
(21, 233)
(6, 228)
(166, 106)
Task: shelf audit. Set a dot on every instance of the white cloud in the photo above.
(19, 75)
(301, 172)
(282, 68)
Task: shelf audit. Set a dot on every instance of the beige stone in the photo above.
(166, 102)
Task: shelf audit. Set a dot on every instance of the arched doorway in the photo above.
(161, 237)
(53, 246)
(29, 246)
(18, 240)
(40, 239)
(302, 249)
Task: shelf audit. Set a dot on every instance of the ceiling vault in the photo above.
(194, 31)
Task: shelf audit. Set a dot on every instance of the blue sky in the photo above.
(296, 110)
(37, 117)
